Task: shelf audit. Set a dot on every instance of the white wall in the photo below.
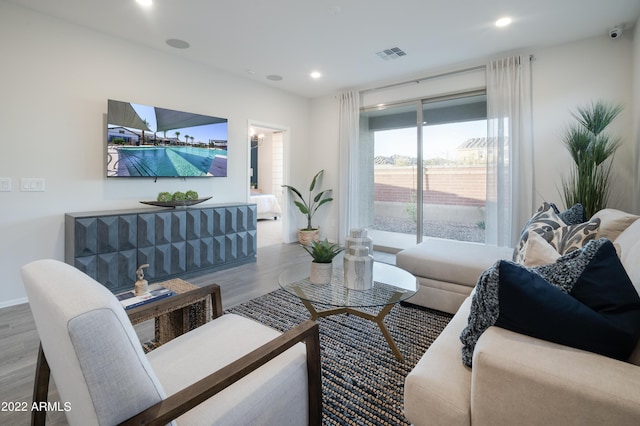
(564, 77)
(265, 164)
(56, 79)
(323, 153)
(575, 74)
(55, 82)
(635, 130)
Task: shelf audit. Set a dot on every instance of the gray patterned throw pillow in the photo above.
(569, 238)
(544, 220)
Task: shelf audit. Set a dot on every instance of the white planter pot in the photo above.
(321, 273)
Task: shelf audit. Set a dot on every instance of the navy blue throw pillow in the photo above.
(591, 318)
(605, 287)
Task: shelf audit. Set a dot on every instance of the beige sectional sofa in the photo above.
(447, 270)
(515, 379)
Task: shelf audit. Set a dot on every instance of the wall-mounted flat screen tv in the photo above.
(148, 141)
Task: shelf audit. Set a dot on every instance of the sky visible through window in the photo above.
(441, 141)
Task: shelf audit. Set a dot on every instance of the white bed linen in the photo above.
(268, 206)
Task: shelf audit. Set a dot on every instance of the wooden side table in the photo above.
(190, 308)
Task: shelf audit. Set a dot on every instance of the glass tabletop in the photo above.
(391, 285)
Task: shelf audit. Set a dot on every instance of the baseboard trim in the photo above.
(13, 302)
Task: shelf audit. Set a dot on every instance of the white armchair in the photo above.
(229, 371)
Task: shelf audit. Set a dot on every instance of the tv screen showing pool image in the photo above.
(148, 141)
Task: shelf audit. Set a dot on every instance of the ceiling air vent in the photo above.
(393, 53)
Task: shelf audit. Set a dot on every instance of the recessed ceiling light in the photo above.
(146, 3)
(177, 43)
(315, 74)
(503, 22)
(274, 77)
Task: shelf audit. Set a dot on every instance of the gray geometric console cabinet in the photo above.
(109, 246)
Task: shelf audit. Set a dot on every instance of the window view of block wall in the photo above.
(453, 161)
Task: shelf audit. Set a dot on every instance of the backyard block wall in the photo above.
(446, 185)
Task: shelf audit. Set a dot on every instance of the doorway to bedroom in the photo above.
(266, 176)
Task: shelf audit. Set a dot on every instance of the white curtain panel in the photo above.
(349, 201)
(510, 157)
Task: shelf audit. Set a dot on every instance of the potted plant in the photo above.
(322, 253)
(592, 150)
(309, 207)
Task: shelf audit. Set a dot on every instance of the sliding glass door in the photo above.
(429, 169)
(392, 131)
(454, 165)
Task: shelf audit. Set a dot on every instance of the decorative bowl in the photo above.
(176, 203)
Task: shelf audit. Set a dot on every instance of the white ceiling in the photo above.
(340, 38)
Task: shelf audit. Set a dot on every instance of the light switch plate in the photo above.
(32, 184)
(5, 184)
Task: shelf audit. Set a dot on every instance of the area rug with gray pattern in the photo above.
(362, 381)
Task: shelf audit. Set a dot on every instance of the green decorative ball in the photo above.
(165, 196)
(179, 196)
(191, 195)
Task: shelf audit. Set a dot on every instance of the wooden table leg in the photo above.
(378, 318)
(40, 389)
(216, 301)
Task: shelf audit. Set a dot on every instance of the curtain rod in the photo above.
(418, 80)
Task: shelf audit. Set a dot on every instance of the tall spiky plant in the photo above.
(592, 151)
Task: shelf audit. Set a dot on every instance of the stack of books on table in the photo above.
(129, 299)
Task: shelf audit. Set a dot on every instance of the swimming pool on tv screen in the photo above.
(167, 161)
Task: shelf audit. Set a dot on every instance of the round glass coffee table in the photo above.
(391, 285)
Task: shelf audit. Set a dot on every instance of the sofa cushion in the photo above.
(632, 266)
(523, 299)
(613, 222)
(437, 391)
(458, 262)
(627, 239)
(275, 393)
(544, 220)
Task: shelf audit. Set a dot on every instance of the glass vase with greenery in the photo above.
(592, 151)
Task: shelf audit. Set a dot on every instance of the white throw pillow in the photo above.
(538, 251)
(627, 239)
(613, 222)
